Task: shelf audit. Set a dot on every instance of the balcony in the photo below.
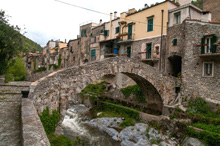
(148, 57)
(125, 38)
(207, 51)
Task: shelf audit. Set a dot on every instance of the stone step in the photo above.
(13, 88)
(10, 97)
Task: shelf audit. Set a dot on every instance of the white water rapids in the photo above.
(75, 125)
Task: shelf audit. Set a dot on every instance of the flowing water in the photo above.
(75, 125)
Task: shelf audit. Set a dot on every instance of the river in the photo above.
(75, 125)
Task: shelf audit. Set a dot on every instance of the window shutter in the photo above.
(85, 32)
(81, 33)
(93, 52)
(105, 32)
(150, 24)
(202, 47)
(213, 41)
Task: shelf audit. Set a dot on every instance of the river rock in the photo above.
(127, 143)
(153, 134)
(135, 133)
(192, 142)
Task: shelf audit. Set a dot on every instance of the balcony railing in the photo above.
(207, 51)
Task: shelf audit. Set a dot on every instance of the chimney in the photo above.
(100, 23)
(115, 15)
(65, 40)
(146, 6)
(110, 16)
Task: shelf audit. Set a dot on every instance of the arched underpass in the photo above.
(58, 88)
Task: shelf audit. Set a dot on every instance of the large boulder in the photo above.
(192, 142)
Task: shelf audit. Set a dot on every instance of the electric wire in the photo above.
(102, 12)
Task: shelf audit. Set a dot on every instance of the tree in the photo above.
(10, 42)
(198, 3)
(17, 71)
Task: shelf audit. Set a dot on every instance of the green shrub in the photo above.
(65, 141)
(127, 122)
(198, 105)
(17, 71)
(209, 138)
(49, 121)
(210, 127)
(93, 90)
(135, 90)
(41, 69)
(125, 111)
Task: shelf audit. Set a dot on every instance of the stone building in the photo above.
(97, 33)
(141, 32)
(193, 51)
(64, 52)
(213, 7)
(74, 52)
(85, 39)
(109, 40)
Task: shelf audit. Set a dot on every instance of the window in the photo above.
(208, 44)
(71, 49)
(83, 32)
(150, 24)
(208, 69)
(148, 49)
(93, 52)
(177, 18)
(117, 29)
(106, 32)
(174, 42)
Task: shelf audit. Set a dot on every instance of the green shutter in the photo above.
(105, 32)
(117, 29)
(150, 24)
(174, 42)
(148, 49)
(202, 47)
(213, 41)
(129, 52)
(93, 53)
(84, 33)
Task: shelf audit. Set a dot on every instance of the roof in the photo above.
(152, 7)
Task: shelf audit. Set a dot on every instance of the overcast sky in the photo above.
(44, 20)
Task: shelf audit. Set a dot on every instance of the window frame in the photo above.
(149, 18)
(204, 69)
(177, 19)
(117, 30)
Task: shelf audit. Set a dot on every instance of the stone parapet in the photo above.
(33, 133)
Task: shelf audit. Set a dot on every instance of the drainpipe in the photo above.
(161, 43)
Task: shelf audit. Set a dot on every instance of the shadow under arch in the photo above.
(152, 96)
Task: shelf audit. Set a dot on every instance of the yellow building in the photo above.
(141, 32)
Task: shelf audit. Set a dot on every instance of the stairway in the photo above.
(10, 113)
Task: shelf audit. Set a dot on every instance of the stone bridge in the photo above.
(58, 88)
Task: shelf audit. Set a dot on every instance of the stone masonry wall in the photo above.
(36, 76)
(57, 89)
(33, 133)
(192, 68)
(194, 84)
(137, 45)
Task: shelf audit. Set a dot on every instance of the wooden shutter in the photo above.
(93, 53)
(105, 32)
(150, 24)
(213, 41)
(202, 47)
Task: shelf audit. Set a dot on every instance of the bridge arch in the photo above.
(58, 88)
